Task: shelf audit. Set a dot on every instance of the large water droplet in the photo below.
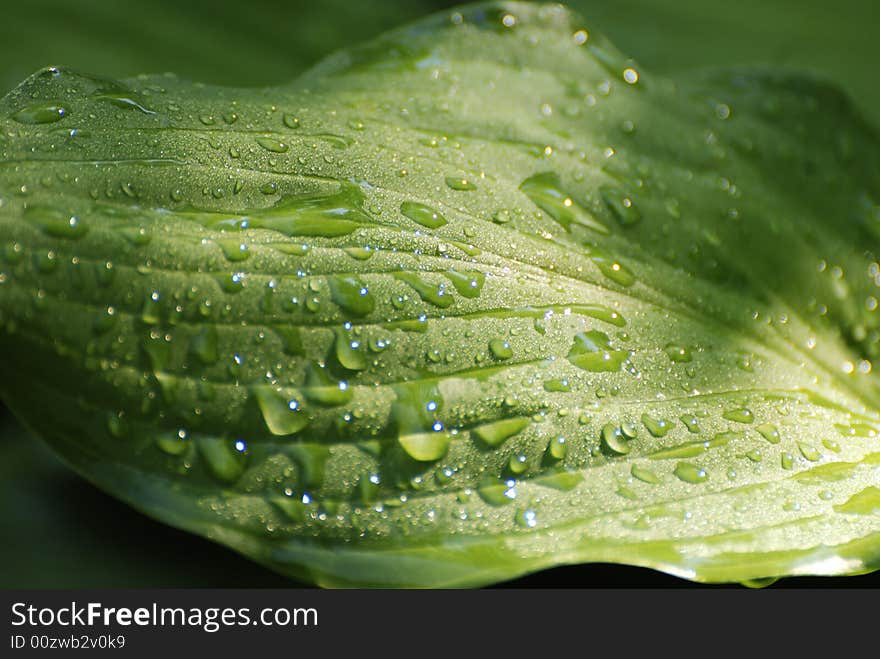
(434, 293)
(204, 345)
(690, 473)
(677, 353)
(223, 460)
(56, 223)
(468, 284)
(322, 389)
(496, 433)
(40, 113)
(273, 145)
(545, 190)
(592, 352)
(234, 250)
(621, 205)
(497, 493)
(645, 475)
(500, 349)
(422, 214)
(352, 294)
(351, 352)
(741, 415)
(416, 415)
(282, 414)
(460, 183)
(613, 440)
(769, 432)
(657, 427)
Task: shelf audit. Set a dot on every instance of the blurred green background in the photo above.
(56, 531)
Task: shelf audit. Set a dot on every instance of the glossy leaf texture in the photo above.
(480, 297)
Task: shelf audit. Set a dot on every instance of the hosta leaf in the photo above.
(477, 298)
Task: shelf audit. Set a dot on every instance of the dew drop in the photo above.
(461, 184)
(690, 473)
(496, 433)
(422, 214)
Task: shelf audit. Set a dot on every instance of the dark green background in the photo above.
(58, 531)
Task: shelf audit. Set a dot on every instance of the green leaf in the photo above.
(642, 333)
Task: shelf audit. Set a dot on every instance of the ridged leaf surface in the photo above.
(477, 298)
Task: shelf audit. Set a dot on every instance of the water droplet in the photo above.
(350, 352)
(352, 294)
(629, 430)
(856, 430)
(526, 518)
(322, 389)
(500, 349)
(434, 293)
(741, 415)
(502, 216)
(631, 76)
(690, 473)
(545, 190)
(234, 250)
(359, 253)
(831, 445)
(657, 427)
(677, 353)
(769, 432)
(415, 412)
(559, 479)
(273, 145)
(497, 493)
(786, 460)
(422, 214)
(137, 236)
(645, 475)
(46, 262)
(864, 502)
(557, 449)
(40, 113)
(150, 314)
(105, 321)
(621, 205)
(809, 452)
(223, 460)
(613, 441)
(231, 283)
(459, 183)
(468, 284)
(116, 425)
(557, 385)
(592, 352)
(174, 444)
(282, 414)
(691, 422)
(122, 98)
(613, 269)
(204, 345)
(56, 223)
(496, 433)
(518, 464)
